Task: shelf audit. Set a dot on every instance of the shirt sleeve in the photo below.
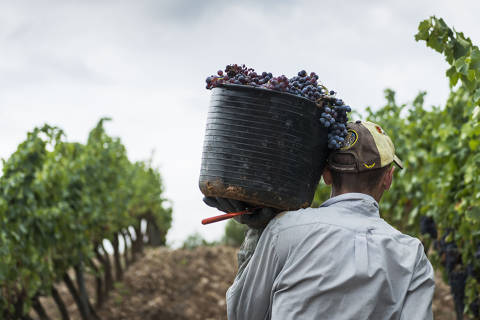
(250, 295)
(418, 302)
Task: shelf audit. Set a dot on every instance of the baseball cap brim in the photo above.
(398, 162)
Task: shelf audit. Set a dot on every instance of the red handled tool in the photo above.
(227, 216)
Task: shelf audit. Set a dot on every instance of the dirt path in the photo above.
(181, 284)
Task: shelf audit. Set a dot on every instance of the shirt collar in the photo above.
(358, 202)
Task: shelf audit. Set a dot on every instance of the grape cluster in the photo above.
(306, 85)
(335, 119)
(457, 280)
(474, 273)
(475, 307)
(427, 226)
(457, 274)
(448, 251)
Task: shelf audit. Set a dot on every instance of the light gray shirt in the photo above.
(339, 261)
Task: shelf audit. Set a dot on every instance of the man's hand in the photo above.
(258, 219)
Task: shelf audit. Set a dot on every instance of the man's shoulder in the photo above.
(308, 227)
(296, 218)
(298, 221)
(292, 221)
(322, 215)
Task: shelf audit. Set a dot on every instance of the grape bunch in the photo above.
(457, 274)
(448, 251)
(305, 85)
(427, 226)
(335, 119)
(472, 272)
(457, 280)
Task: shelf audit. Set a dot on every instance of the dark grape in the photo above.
(448, 251)
(474, 307)
(457, 274)
(457, 281)
(477, 253)
(427, 226)
(452, 257)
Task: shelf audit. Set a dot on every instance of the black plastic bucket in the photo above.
(263, 147)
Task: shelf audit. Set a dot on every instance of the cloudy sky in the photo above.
(144, 63)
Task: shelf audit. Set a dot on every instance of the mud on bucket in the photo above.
(263, 147)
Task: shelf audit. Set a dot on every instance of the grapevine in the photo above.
(437, 196)
(59, 202)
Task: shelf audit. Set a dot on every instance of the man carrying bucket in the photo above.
(338, 261)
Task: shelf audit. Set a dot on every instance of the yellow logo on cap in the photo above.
(350, 139)
(369, 166)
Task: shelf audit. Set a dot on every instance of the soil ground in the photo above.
(188, 284)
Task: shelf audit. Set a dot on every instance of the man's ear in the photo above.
(388, 178)
(327, 176)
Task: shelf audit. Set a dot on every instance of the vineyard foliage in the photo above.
(441, 179)
(59, 201)
(234, 233)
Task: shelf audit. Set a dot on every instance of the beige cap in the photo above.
(369, 146)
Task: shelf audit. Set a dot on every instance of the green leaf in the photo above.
(435, 43)
(453, 75)
(423, 30)
(461, 66)
(449, 238)
(460, 48)
(474, 214)
(471, 74)
(476, 110)
(469, 174)
(475, 59)
(473, 144)
(476, 96)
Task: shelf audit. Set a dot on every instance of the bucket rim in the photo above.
(248, 87)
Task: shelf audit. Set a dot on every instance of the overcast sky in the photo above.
(144, 63)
